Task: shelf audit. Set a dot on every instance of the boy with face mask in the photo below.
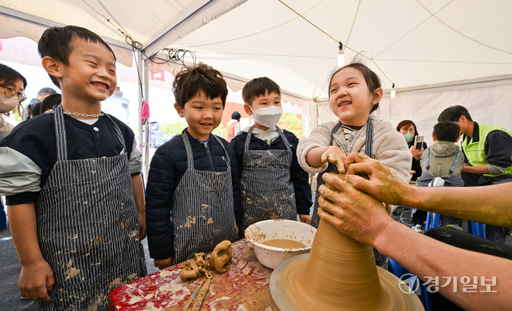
(273, 184)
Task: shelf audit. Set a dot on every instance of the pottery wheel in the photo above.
(339, 274)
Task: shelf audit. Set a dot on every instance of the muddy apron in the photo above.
(380, 260)
(267, 189)
(203, 209)
(88, 227)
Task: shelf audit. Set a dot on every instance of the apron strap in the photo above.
(188, 149)
(118, 132)
(60, 134)
(369, 136)
(248, 139)
(228, 161)
(285, 140)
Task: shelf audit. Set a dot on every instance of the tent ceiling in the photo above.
(412, 47)
(413, 42)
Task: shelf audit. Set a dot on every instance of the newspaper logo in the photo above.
(409, 283)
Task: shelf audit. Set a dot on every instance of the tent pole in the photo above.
(138, 55)
(145, 168)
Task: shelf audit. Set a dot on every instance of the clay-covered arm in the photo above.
(364, 219)
(36, 277)
(487, 204)
(480, 169)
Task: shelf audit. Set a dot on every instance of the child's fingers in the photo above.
(335, 222)
(50, 281)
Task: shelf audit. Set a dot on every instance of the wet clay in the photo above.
(284, 243)
(221, 256)
(197, 267)
(339, 274)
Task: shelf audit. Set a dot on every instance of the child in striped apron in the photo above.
(75, 197)
(193, 196)
(273, 184)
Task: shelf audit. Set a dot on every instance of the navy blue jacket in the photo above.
(168, 166)
(298, 176)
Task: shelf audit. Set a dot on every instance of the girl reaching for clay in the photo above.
(354, 93)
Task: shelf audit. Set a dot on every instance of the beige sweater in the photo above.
(389, 147)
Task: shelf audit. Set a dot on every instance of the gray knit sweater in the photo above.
(389, 147)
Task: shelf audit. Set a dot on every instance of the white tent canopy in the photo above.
(426, 48)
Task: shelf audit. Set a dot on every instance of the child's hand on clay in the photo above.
(336, 156)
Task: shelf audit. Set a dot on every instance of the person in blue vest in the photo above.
(488, 152)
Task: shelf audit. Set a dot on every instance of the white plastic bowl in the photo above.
(270, 256)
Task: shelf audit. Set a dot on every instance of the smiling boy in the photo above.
(76, 204)
(193, 194)
(273, 184)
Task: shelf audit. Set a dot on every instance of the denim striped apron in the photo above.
(88, 227)
(203, 212)
(267, 189)
(380, 260)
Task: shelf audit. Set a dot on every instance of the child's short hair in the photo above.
(446, 131)
(56, 42)
(454, 113)
(259, 87)
(199, 78)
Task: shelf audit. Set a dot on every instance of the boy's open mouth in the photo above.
(344, 104)
(100, 85)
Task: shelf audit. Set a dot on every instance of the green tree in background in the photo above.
(292, 123)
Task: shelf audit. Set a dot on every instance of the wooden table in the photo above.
(245, 286)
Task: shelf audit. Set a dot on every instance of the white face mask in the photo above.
(267, 116)
(7, 104)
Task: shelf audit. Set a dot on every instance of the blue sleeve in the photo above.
(498, 149)
(235, 176)
(300, 180)
(159, 191)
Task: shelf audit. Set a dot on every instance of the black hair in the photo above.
(371, 78)
(57, 43)
(8, 77)
(45, 91)
(199, 78)
(259, 87)
(446, 131)
(236, 115)
(50, 101)
(454, 113)
(35, 109)
(406, 123)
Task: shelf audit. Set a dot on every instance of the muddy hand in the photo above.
(383, 185)
(350, 210)
(336, 156)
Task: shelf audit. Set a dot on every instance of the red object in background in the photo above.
(244, 287)
(1, 45)
(144, 113)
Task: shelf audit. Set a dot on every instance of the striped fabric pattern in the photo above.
(203, 209)
(88, 228)
(267, 190)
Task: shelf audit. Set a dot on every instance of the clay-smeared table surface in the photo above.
(245, 286)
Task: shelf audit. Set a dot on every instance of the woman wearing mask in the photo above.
(409, 130)
(12, 94)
